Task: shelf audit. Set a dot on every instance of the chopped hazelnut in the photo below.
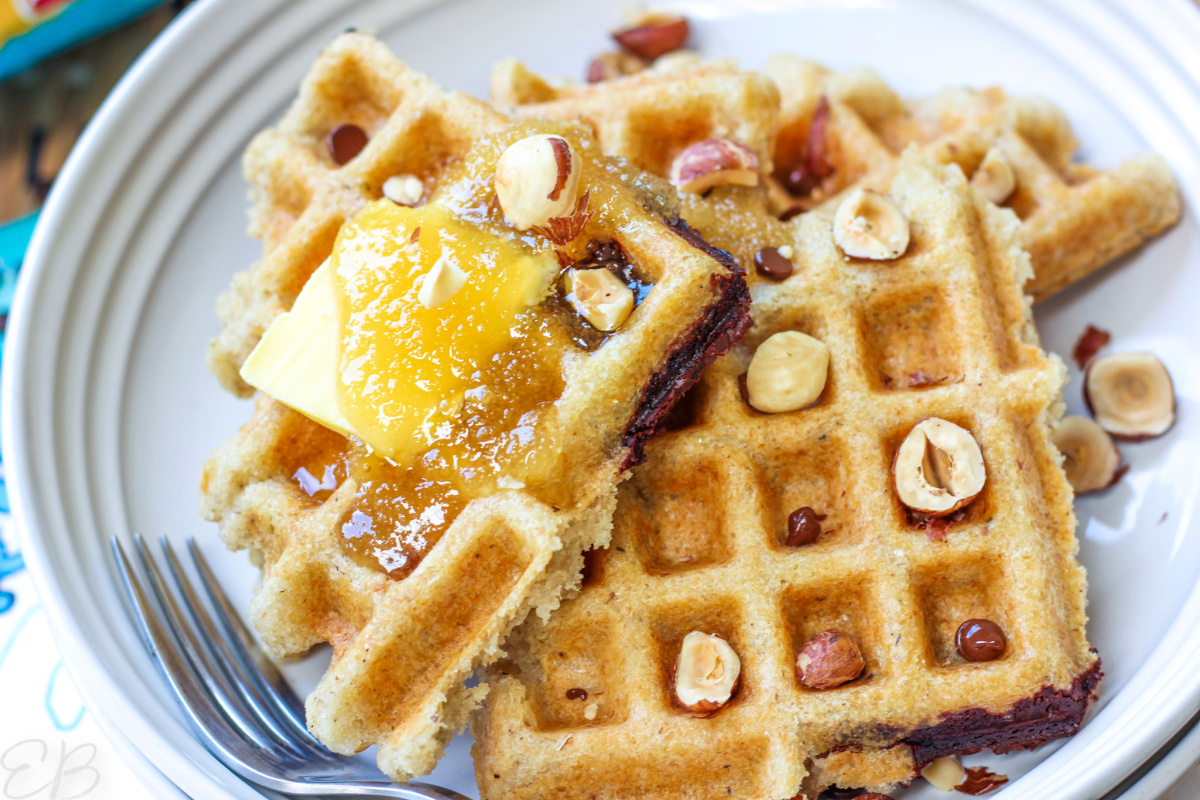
(509, 482)
(404, 190)
(590, 711)
(677, 61)
(828, 660)
(442, 282)
(1130, 395)
(714, 162)
(706, 672)
(938, 468)
(944, 773)
(609, 66)
(600, 297)
(537, 179)
(788, 372)
(869, 225)
(1090, 456)
(995, 178)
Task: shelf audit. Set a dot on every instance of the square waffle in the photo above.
(404, 645)
(584, 706)
(1075, 218)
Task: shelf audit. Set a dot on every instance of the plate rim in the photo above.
(1170, 18)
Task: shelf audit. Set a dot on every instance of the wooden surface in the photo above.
(43, 111)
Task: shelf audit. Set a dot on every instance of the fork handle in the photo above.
(405, 791)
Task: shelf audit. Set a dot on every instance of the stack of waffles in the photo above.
(403, 648)
(585, 705)
(581, 697)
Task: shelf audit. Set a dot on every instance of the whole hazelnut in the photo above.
(714, 162)
(787, 372)
(651, 35)
(869, 225)
(706, 672)
(828, 660)
(938, 468)
(537, 179)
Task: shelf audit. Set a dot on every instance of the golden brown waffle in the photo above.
(1075, 219)
(403, 648)
(943, 331)
(649, 117)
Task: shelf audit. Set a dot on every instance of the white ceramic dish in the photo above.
(108, 412)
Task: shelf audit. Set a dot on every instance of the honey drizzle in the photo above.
(499, 437)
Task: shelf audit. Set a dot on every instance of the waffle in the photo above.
(1075, 218)
(697, 546)
(402, 648)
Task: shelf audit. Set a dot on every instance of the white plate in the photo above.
(108, 413)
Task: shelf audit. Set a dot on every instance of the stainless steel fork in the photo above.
(235, 698)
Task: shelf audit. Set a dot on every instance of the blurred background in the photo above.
(59, 59)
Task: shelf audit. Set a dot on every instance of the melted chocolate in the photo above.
(723, 324)
(1048, 715)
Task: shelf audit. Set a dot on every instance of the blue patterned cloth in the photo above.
(14, 237)
(50, 747)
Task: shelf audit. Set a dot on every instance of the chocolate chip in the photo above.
(794, 211)
(804, 527)
(345, 142)
(980, 640)
(772, 265)
(577, 694)
(799, 182)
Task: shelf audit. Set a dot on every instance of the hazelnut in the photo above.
(404, 190)
(678, 61)
(714, 162)
(869, 225)
(509, 482)
(537, 179)
(609, 66)
(944, 773)
(788, 372)
(1130, 395)
(706, 672)
(1090, 457)
(590, 711)
(994, 177)
(442, 282)
(600, 297)
(651, 35)
(828, 660)
(1090, 342)
(938, 468)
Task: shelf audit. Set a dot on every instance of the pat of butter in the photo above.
(296, 361)
(364, 352)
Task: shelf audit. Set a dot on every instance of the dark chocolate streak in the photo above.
(724, 323)
(1050, 714)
